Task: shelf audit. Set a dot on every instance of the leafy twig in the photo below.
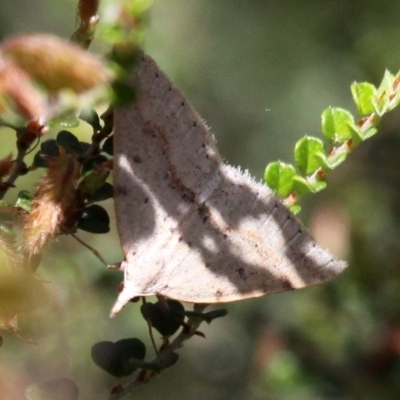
(343, 132)
(143, 376)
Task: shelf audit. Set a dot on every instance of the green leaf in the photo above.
(105, 192)
(357, 135)
(66, 120)
(126, 57)
(91, 117)
(295, 209)
(48, 148)
(166, 317)
(383, 94)
(307, 154)
(69, 142)
(108, 145)
(165, 361)
(24, 200)
(279, 177)
(364, 95)
(118, 358)
(323, 161)
(92, 162)
(124, 93)
(304, 186)
(84, 147)
(336, 124)
(208, 316)
(336, 159)
(369, 133)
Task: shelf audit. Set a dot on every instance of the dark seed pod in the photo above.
(94, 219)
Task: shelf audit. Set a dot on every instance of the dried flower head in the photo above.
(55, 63)
(52, 203)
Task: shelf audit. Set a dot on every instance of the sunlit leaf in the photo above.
(306, 153)
(279, 177)
(336, 124)
(364, 94)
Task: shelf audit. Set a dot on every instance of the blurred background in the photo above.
(260, 72)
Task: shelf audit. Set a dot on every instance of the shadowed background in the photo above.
(260, 73)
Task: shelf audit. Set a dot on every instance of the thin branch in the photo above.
(20, 166)
(92, 249)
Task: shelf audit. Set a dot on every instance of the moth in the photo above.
(193, 228)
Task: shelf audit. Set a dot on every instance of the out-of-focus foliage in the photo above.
(261, 73)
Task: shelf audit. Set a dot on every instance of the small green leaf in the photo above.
(91, 117)
(279, 177)
(336, 158)
(69, 142)
(306, 153)
(48, 148)
(84, 148)
(126, 57)
(336, 124)
(24, 200)
(166, 317)
(208, 316)
(356, 135)
(94, 219)
(382, 98)
(124, 93)
(105, 192)
(369, 133)
(167, 360)
(91, 164)
(364, 94)
(108, 145)
(323, 161)
(66, 120)
(118, 359)
(295, 209)
(304, 186)
(301, 186)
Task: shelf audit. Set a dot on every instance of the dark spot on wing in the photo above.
(203, 212)
(137, 159)
(241, 273)
(287, 285)
(121, 190)
(188, 197)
